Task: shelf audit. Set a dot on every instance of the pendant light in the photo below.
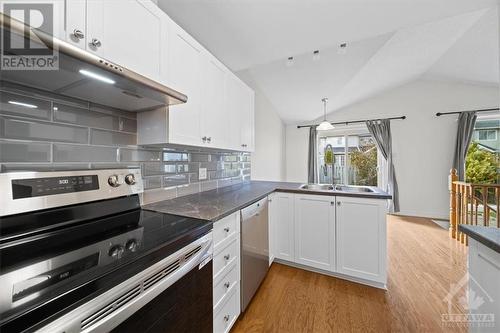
(325, 125)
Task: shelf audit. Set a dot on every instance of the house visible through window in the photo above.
(489, 135)
(355, 158)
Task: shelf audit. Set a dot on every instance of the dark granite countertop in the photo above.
(488, 236)
(216, 204)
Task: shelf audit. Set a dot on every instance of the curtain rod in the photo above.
(357, 121)
(458, 112)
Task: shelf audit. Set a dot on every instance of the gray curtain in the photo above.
(466, 122)
(381, 132)
(312, 162)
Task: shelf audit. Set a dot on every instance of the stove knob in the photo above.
(113, 181)
(130, 179)
(116, 251)
(131, 245)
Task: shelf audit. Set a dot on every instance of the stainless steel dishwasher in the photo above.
(254, 249)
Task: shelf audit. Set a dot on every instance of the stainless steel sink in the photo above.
(353, 189)
(317, 187)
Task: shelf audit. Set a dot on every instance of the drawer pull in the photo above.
(226, 318)
(227, 256)
(227, 285)
(226, 229)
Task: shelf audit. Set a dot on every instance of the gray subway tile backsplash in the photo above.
(109, 138)
(175, 180)
(66, 134)
(24, 152)
(82, 153)
(24, 129)
(139, 155)
(79, 116)
(30, 107)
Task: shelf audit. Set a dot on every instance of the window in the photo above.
(355, 162)
(486, 135)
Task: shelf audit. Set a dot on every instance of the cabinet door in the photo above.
(184, 75)
(361, 238)
(130, 35)
(483, 283)
(76, 25)
(247, 119)
(240, 108)
(214, 115)
(315, 231)
(281, 220)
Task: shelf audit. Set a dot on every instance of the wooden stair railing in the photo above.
(475, 204)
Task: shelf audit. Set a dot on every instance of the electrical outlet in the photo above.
(202, 174)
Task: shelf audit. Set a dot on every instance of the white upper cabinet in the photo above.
(130, 35)
(184, 74)
(76, 25)
(126, 32)
(361, 237)
(315, 231)
(213, 110)
(240, 108)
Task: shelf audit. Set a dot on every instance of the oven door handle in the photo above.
(111, 308)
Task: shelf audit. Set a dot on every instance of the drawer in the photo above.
(228, 313)
(226, 284)
(226, 229)
(226, 257)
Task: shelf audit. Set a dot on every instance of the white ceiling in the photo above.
(390, 42)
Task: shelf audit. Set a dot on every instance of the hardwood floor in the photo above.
(422, 263)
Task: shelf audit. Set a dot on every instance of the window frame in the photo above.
(346, 132)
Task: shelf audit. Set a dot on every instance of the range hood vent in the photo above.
(83, 75)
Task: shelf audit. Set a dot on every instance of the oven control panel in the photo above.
(31, 191)
(35, 187)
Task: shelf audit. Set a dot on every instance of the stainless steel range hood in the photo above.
(85, 76)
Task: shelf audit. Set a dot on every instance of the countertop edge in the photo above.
(268, 188)
(480, 237)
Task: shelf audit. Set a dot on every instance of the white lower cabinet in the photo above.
(361, 238)
(226, 272)
(315, 231)
(337, 235)
(484, 286)
(281, 226)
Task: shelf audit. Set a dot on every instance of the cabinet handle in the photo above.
(339, 203)
(226, 229)
(95, 43)
(209, 139)
(204, 139)
(332, 203)
(227, 256)
(78, 34)
(226, 318)
(227, 285)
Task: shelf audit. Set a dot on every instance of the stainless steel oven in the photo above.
(79, 254)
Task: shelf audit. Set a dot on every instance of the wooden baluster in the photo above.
(467, 220)
(453, 202)
(486, 215)
(497, 197)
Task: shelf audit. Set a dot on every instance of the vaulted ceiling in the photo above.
(389, 43)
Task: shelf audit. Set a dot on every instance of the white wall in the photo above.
(268, 159)
(422, 144)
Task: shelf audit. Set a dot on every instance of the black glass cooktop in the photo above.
(55, 260)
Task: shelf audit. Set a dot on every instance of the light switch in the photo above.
(202, 174)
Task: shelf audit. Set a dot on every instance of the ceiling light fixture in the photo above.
(96, 76)
(325, 125)
(26, 105)
(342, 49)
(316, 55)
(289, 62)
